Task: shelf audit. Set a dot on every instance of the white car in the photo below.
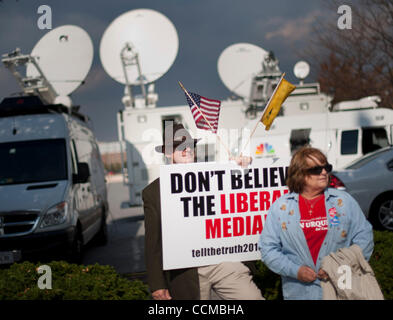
(370, 181)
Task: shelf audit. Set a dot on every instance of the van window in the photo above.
(167, 120)
(374, 139)
(299, 138)
(33, 161)
(349, 142)
(83, 150)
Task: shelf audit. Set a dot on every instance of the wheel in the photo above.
(102, 235)
(383, 214)
(76, 250)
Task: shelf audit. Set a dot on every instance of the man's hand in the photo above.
(306, 274)
(242, 161)
(161, 294)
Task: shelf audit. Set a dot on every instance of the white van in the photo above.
(344, 133)
(53, 196)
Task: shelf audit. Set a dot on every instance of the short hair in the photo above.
(297, 170)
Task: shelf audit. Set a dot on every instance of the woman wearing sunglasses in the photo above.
(309, 223)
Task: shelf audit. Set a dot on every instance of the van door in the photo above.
(137, 174)
(349, 144)
(87, 192)
(78, 203)
(99, 177)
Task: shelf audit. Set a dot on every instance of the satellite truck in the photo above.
(53, 197)
(344, 131)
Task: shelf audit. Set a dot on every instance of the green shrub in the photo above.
(69, 282)
(381, 261)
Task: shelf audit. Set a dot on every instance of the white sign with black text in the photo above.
(214, 212)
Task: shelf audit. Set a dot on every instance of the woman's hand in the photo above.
(306, 274)
(322, 275)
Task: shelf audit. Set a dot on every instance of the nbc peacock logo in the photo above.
(264, 150)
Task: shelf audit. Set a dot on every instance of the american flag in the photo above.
(210, 109)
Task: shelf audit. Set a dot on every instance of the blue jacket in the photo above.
(284, 248)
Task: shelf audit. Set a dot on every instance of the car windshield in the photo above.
(32, 161)
(366, 159)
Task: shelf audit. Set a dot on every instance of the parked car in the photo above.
(53, 196)
(370, 181)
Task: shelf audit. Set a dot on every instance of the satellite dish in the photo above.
(144, 32)
(301, 70)
(238, 64)
(65, 55)
(64, 100)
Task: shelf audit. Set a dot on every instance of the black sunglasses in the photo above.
(318, 169)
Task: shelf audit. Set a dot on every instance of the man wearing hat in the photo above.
(229, 280)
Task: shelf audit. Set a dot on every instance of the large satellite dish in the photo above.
(142, 33)
(65, 55)
(238, 64)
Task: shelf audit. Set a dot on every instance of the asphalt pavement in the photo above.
(125, 248)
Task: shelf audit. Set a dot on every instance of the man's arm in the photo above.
(153, 245)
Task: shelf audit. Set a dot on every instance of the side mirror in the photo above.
(83, 173)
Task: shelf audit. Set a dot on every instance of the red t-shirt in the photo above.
(314, 225)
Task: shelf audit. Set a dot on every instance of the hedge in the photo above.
(69, 282)
(381, 262)
(96, 282)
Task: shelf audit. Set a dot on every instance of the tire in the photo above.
(76, 250)
(382, 213)
(102, 235)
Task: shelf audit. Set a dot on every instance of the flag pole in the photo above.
(207, 121)
(267, 104)
(189, 96)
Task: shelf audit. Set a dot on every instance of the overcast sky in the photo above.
(205, 28)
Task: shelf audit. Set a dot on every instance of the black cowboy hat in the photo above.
(174, 135)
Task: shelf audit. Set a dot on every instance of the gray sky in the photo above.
(205, 28)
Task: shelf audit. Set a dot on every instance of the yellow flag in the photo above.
(273, 108)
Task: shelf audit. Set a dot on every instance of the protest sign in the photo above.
(214, 212)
